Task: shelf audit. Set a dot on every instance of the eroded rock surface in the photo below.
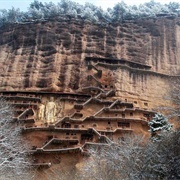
(50, 56)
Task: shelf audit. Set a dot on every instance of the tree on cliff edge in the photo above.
(13, 157)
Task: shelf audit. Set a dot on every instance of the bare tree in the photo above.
(121, 160)
(135, 159)
(13, 149)
(165, 162)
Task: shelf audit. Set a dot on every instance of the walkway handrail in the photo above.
(114, 103)
(49, 142)
(95, 79)
(100, 111)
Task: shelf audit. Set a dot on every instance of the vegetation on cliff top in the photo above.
(89, 12)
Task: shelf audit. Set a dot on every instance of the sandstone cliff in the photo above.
(51, 56)
(123, 71)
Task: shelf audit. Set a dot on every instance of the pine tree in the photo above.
(159, 123)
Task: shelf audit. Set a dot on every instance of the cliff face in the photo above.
(100, 82)
(51, 56)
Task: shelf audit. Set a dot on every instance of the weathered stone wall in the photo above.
(149, 89)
